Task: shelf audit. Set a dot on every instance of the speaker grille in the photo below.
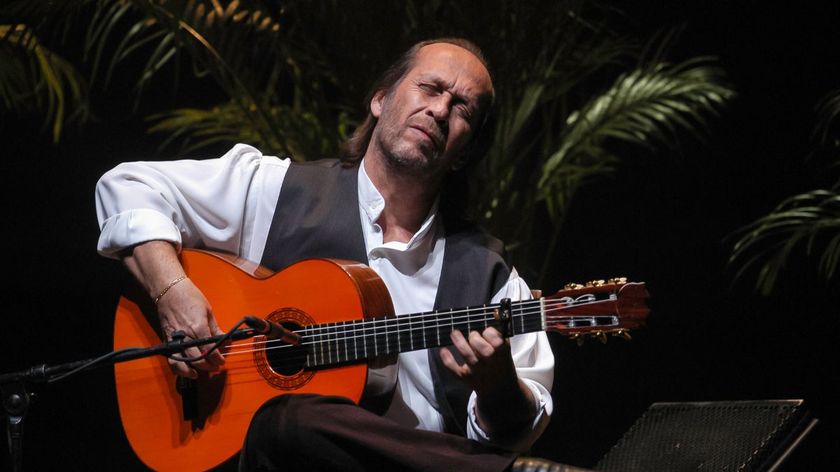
(708, 436)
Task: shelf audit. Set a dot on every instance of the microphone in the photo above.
(272, 330)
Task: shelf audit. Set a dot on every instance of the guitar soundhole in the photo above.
(285, 359)
(281, 364)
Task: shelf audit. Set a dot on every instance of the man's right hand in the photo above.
(183, 307)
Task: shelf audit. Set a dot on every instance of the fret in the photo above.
(345, 338)
(337, 338)
(325, 343)
(364, 338)
(387, 324)
(334, 342)
(469, 327)
(355, 345)
(542, 313)
(383, 338)
(437, 330)
(428, 334)
(321, 345)
(423, 330)
(330, 339)
(434, 330)
(399, 334)
(375, 347)
(340, 338)
(411, 332)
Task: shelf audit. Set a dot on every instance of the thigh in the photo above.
(314, 432)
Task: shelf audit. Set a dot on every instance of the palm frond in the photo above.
(648, 107)
(533, 101)
(242, 46)
(299, 134)
(34, 78)
(810, 221)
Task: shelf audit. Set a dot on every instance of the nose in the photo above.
(439, 108)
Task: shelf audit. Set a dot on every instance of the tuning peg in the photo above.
(617, 280)
(576, 337)
(623, 334)
(573, 286)
(600, 336)
(596, 283)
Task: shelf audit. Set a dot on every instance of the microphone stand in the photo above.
(15, 392)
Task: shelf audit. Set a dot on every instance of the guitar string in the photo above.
(317, 333)
(296, 361)
(330, 343)
(332, 340)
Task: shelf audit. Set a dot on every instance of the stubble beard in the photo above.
(404, 157)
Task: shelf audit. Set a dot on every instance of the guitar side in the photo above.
(151, 409)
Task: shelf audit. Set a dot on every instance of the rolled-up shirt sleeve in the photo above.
(223, 204)
(534, 363)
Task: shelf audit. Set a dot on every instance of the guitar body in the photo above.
(222, 403)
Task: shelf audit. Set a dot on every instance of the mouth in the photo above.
(431, 136)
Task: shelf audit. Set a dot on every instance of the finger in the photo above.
(216, 358)
(450, 363)
(480, 345)
(494, 337)
(182, 369)
(194, 352)
(214, 327)
(463, 347)
(203, 364)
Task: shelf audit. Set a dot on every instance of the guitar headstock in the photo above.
(597, 309)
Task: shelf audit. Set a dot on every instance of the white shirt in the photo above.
(227, 204)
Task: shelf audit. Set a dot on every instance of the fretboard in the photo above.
(351, 341)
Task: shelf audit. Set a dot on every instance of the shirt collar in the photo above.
(372, 204)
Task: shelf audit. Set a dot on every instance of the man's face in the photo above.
(429, 117)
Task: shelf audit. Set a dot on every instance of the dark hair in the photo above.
(354, 148)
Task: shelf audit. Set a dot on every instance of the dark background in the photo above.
(663, 220)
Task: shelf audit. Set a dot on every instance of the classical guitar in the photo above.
(343, 313)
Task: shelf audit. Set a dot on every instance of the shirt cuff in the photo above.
(133, 227)
(525, 439)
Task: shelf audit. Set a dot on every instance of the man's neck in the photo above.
(408, 199)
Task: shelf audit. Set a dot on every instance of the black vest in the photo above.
(317, 215)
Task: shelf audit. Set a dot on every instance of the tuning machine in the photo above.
(600, 336)
(623, 334)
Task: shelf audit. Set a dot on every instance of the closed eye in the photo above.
(431, 89)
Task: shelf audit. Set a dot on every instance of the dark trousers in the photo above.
(314, 432)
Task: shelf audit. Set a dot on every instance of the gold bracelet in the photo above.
(171, 284)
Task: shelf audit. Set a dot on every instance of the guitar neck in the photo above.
(329, 344)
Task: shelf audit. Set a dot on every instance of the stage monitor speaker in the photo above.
(711, 436)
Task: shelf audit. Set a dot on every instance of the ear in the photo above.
(376, 103)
